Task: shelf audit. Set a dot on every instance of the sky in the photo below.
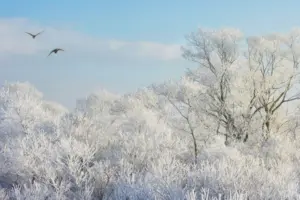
(118, 45)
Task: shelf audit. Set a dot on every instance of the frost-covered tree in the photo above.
(23, 110)
(165, 141)
(182, 112)
(251, 79)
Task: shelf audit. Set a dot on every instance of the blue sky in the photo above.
(166, 22)
(163, 21)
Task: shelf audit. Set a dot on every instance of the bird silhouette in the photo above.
(32, 35)
(55, 51)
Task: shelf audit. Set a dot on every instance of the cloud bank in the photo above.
(16, 42)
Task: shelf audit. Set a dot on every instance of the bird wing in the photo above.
(51, 52)
(60, 49)
(29, 34)
(39, 33)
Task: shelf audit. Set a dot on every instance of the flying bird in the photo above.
(32, 35)
(55, 51)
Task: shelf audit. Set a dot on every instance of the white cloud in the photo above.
(87, 63)
(14, 41)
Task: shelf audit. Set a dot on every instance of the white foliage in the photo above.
(140, 145)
